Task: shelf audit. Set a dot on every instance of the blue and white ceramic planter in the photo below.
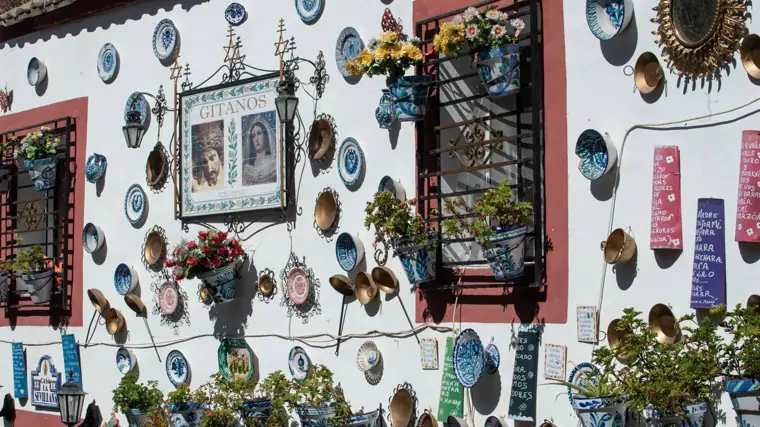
(694, 416)
(220, 283)
(96, 167)
(187, 415)
(136, 418)
(499, 70)
(40, 285)
(385, 113)
(410, 96)
(42, 172)
(506, 252)
(600, 411)
(608, 18)
(315, 417)
(418, 262)
(364, 420)
(4, 285)
(745, 394)
(349, 250)
(5, 178)
(258, 410)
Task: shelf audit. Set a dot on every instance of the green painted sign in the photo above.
(451, 401)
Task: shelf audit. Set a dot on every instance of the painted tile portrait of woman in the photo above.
(259, 149)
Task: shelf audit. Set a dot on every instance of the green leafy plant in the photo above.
(219, 417)
(183, 394)
(226, 399)
(132, 395)
(31, 261)
(40, 144)
(394, 221)
(496, 204)
(602, 383)
(740, 357)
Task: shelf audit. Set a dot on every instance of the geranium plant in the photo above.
(41, 144)
(212, 250)
(478, 30)
(740, 357)
(391, 54)
(394, 221)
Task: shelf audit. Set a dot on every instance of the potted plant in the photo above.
(38, 150)
(36, 273)
(235, 398)
(137, 401)
(212, 258)
(391, 54)
(395, 224)
(187, 407)
(669, 383)
(492, 37)
(498, 223)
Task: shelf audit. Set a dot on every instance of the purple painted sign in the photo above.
(708, 279)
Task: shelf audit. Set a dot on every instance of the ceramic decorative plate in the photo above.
(346, 252)
(236, 359)
(124, 360)
(122, 279)
(309, 10)
(167, 298)
(606, 19)
(177, 368)
(350, 162)
(591, 149)
(140, 104)
(299, 363)
(297, 285)
(108, 62)
(469, 358)
(235, 14)
(367, 357)
(135, 203)
(349, 46)
(165, 40)
(577, 375)
(493, 359)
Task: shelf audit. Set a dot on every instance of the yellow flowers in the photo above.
(389, 54)
(450, 38)
(388, 37)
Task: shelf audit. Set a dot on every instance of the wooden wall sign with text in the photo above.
(666, 231)
(748, 201)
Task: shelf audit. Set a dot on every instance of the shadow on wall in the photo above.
(231, 318)
(118, 16)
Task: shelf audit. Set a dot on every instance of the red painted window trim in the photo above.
(29, 418)
(76, 108)
(549, 303)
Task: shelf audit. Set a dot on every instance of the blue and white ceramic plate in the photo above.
(493, 359)
(139, 103)
(165, 40)
(349, 46)
(592, 150)
(135, 204)
(108, 62)
(577, 376)
(92, 238)
(235, 14)
(299, 363)
(309, 10)
(124, 360)
(346, 251)
(469, 358)
(122, 279)
(608, 18)
(177, 368)
(350, 162)
(95, 167)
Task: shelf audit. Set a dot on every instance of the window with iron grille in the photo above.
(30, 217)
(470, 142)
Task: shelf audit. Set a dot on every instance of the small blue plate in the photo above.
(135, 204)
(165, 40)
(350, 162)
(108, 62)
(235, 14)
(177, 368)
(299, 363)
(309, 10)
(348, 47)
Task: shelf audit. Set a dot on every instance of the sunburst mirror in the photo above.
(699, 36)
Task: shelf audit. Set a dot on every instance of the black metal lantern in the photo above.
(134, 130)
(286, 102)
(70, 401)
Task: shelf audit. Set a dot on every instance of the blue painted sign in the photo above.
(708, 279)
(20, 390)
(46, 382)
(71, 359)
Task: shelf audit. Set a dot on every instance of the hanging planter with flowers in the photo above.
(213, 258)
(38, 150)
(391, 54)
(492, 37)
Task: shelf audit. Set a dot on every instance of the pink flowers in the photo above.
(192, 245)
(192, 261)
(212, 250)
(221, 250)
(203, 235)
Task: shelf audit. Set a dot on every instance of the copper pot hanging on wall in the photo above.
(616, 338)
(619, 248)
(663, 323)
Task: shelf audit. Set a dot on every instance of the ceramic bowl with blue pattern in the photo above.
(95, 167)
(36, 72)
(125, 279)
(469, 358)
(597, 155)
(92, 238)
(608, 18)
(349, 250)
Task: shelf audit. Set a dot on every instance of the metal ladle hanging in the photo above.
(135, 303)
(342, 284)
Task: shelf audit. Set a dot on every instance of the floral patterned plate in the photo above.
(299, 363)
(177, 368)
(235, 14)
(167, 298)
(469, 358)
(348, 47)
(165, 40)
(309, 10)
(350, 162)
(297, 286)
(135, 204)
(108, 62)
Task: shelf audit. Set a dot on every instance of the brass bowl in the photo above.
(401, 408)
(154, 248)
(365, 289)
(750, 53)
(114, 321)
(427, 420)
(325, 210)
(342, 284)
(616, 337)
(385, 279)
(320, 138)
(266, 285)
(754, 301)
(98, 300)
(205, 295)
(619, 247)
(156, 167)
(647, 74)
(135, 304)
(663, 323)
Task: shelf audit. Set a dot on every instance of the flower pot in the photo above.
(40, 285)
(385, 113)
(506, 252)
(136, 418)
(315, 417)
(418, 262)
(499, 70)
(220, 283)
(599, 411)
(258, 410)
(410, 95)
(368, 419)
(745, 395)
(42, 173)
(187, 415)
(5, 178)
(694, 416)
(4, 285)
